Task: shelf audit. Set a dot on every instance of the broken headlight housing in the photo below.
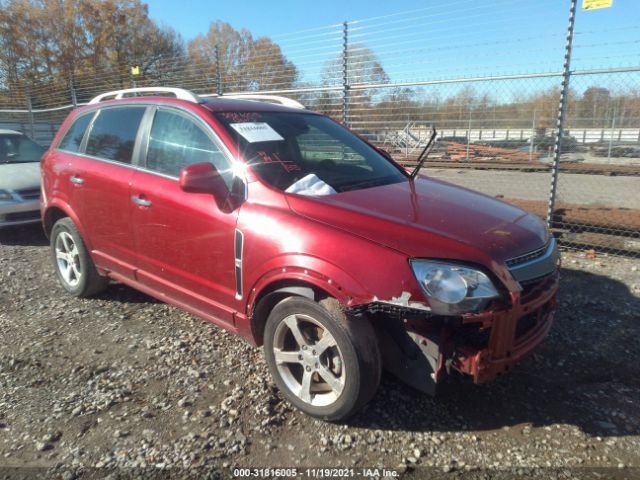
(453, 289)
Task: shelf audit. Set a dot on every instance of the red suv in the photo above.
(281, 225)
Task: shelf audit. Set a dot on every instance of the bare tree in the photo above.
(245, 63)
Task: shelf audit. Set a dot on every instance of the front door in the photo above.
(184, 243)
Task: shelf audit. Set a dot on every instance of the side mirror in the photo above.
(205, 178)
(202, 178)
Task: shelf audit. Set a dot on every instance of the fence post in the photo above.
(533, 136)
(30, 109)
(72, 89)
(218, 74)
(469, 133)
(613, 125)
(345, 73)
(562, 108)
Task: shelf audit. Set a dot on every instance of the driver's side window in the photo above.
(176, 141)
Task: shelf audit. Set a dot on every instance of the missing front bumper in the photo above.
(421, 349)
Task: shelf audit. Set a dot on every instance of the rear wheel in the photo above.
(74, 267)
(325, 364)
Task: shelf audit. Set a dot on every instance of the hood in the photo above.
(19, 176)
(421, 218)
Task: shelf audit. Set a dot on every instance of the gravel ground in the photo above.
(125, 386)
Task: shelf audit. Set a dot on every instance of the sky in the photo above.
(426, 40)
(192, 17)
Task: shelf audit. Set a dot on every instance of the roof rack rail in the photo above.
(180, 93)
(284, 101)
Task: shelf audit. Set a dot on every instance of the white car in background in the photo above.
(19, 179)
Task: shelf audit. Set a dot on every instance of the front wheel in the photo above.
(325, 364)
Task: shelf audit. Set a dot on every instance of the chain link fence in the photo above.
(598, 194)
(489, 81)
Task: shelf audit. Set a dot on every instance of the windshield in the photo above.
(16, 148)
(300, 152)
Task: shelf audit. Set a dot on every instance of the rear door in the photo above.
(62, 164)
(102, 178)
(184, 243)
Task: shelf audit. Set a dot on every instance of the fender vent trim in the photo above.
(238, 246)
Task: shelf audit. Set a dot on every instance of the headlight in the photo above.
(5, 196)
(453, 289)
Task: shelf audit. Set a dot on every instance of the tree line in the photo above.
(67, 43)
(52, 47)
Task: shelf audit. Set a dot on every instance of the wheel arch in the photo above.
(298, 275)
(57, 210)
(51, 216)
(273, 293)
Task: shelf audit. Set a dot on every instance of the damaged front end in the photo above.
(421, 346)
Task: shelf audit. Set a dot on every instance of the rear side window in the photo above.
(177, 141)
(73, 138)
(113, 134)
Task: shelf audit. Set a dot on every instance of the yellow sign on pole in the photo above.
(135, 70)
(594, 4)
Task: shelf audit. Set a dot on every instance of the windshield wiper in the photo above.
(372, 182)
(425, 153)
(364, 184)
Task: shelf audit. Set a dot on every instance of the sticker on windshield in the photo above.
(255, 132)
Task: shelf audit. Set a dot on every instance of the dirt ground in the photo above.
(122, 386)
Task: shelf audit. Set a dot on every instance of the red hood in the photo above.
(422, 218)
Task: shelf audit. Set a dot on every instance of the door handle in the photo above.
(76, 180)
(141, 201)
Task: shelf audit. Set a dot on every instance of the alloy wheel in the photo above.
(309, 360)
(68, 259)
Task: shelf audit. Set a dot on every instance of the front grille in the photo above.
(530, 285)
(527, 257)
(29, 193)
(532, 289)
(21, 216)
(534, 281)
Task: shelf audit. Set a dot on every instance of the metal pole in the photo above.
(72, 88)
(533, 135)
(613, 125)
(469, 133)
(218, 74)
(406, 138)
(562, 108)
(30, 109)
(345, 73)
(133, 79)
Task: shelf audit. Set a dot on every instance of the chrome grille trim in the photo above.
(536, 264)
(29, 193)
(512, 262)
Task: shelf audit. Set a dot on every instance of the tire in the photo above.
(326, 376)
(74, 268)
